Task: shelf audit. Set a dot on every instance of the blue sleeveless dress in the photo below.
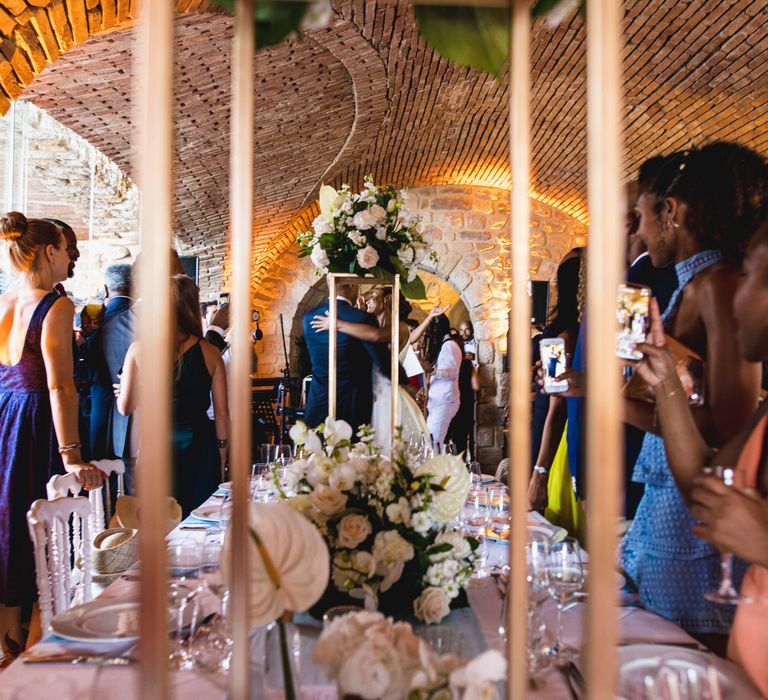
(671, 567)
(196, 470)
(28, 458)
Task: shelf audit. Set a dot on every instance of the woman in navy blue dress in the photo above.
(38, 404)
(199, 448)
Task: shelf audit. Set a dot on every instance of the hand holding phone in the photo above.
(632, 320)
(553, 364)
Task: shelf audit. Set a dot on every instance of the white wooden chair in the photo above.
(59, 529)
(67, 485)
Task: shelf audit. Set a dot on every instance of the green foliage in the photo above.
(275, 19)
(475, 37)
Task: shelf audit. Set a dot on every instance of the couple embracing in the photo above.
(363, 387)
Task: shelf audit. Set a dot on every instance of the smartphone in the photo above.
(552, 352)
(632, 319)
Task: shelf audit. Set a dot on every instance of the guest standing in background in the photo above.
(107, 347)
(199, 446)
(462, 429)
(467, 333)
(38, 404)
(443, 355)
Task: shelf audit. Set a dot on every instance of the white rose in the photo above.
(363, 562)
(381, 233)
(328, 501)
(342, 478)
(298, 432)
(367, 257)
(432, 605)
(320, 258)
(480, 675)
(353, 529)
(461, 548)
(366, 674)
(399, 512)
(321, 225)
(421, 522)
(363, 220)
(378, 214)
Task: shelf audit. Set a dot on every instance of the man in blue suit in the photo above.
(354, 360)
(110, 431)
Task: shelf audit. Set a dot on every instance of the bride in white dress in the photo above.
(410, 416)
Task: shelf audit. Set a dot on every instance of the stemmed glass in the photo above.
(184, 562)
(476, 473)
(726, 593)
(565, 576)
(475, 518)
(211, 561)
(261, 482)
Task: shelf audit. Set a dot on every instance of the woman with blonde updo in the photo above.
(38, 404)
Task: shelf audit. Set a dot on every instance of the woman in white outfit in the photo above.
(444, 354)
(410, 417)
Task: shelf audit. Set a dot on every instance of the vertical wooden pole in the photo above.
(332, 317)
(519, 348)
(604, 408)
(153, 114)
(395, 354)
(241, 213)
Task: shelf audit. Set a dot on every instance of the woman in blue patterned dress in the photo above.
(38, 404)
(698, 214)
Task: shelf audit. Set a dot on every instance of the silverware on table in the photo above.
(193, 527)
(32, 657)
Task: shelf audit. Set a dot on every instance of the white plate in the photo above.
(640, 660)
(210, 513)
(99, 621)
(226, 486)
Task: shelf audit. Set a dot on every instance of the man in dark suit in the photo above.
(354, 360)
(110, 430)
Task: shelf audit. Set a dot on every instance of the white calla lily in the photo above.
(328, 202)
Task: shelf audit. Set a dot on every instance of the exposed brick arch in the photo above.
(469, 229)
(34, 33)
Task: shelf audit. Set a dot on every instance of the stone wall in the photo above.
(469, 227)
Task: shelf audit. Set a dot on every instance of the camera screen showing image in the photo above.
(632, 320)
(553, 364)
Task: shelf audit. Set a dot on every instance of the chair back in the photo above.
(68, 485)
(60, 532)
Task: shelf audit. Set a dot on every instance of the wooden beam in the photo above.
(153, 104)
(241, 213)
(604, 409)
(519, 349)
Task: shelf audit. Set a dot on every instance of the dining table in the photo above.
(94, 677)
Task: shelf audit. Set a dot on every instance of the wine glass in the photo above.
(476, 473)
(261, 482)
(211, 562)
(565, 576)
(475, 517)
(726, 593)
(498, 504)
(184, 563)
(212, 643)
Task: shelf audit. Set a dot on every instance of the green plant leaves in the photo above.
(476, 37)
(275, 19)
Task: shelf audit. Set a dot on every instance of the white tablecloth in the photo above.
(91, 682)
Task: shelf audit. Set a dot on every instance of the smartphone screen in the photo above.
(632, 319)
(553, 364)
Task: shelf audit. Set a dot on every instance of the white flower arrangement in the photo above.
(371, 656)
(387, 522)
(369, 232)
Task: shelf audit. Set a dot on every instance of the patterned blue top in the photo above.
(671, 567)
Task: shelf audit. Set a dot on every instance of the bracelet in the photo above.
(662, 391)
(540, 470)
(221, 444)
(70, 447)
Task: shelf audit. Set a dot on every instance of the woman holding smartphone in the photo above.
(734, 519)
(698, 214)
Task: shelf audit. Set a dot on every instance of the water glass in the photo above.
(266, 453)
(565, 576)
(282, 454)
(184, 564)
(498, 503)
(212, 643)
(475, 518)
(726, 593)
(261, 482)
(476, 473)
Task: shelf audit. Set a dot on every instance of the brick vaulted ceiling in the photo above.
(366, 95)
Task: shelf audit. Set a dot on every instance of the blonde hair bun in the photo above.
(13, 225)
